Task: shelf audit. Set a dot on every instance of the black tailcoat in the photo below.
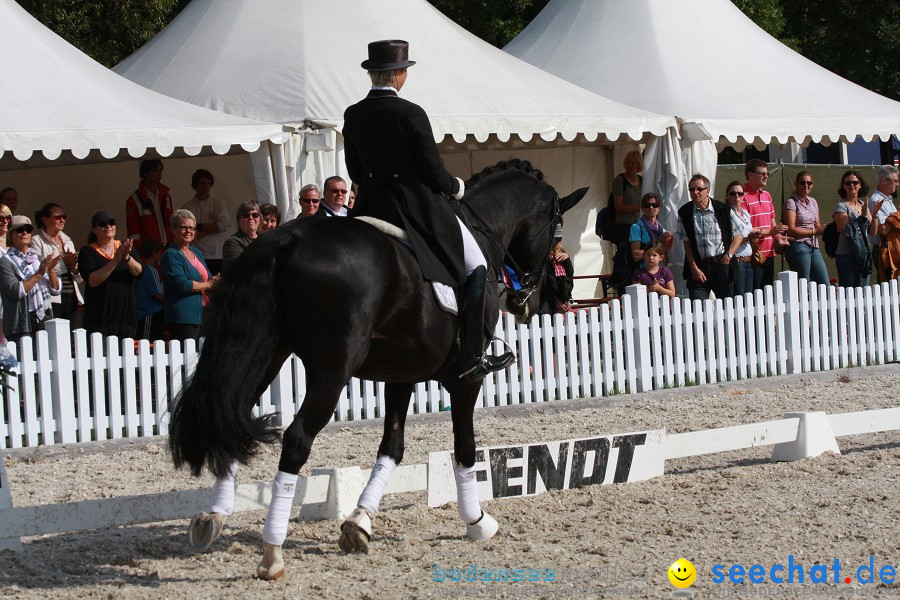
(390, 153)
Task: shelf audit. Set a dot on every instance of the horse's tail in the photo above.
(211, 422)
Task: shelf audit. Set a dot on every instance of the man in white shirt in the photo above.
(885, 185)
(213, 221)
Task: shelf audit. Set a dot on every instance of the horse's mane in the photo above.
(504, 166)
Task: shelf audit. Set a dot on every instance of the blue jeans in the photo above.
(807, 261)
(848, 274)
(743, 278)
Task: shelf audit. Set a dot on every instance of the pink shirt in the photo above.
(204, 276)
(762, 213)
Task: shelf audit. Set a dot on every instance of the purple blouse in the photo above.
(807, 216)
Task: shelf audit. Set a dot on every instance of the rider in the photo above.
(390, 153)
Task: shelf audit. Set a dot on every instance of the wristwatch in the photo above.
(728, 254)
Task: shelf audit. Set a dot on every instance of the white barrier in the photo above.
(66, 394)
(331, 493)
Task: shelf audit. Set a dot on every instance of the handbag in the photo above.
(758, 257)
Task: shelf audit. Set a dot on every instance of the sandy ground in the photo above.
(614, 541)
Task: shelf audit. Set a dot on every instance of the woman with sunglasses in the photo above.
(109, 267)
(641, 235)
(309, 201)
(26, 283)
(853, 270)
(648, 230)
(742, 260)
(248, 217)
(186, 280)
(801, 215)
(50, 240)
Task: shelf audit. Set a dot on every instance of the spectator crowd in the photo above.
(151, 283)
(154, 282)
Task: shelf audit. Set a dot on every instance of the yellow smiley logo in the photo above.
(682, 573)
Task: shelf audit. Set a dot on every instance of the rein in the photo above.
(528, 279)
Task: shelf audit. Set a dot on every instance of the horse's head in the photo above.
(529, 250)
(522, 214)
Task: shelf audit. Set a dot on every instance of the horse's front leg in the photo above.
(356, 531)
(479, 524)
(314, 414)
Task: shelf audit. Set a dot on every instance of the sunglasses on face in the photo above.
(804, 183)
(853, 182)
(187, 228)
(738, 194)
(6, 218)
(697, 190)
(23, 229)
(57, 217)
(654, 205)
(342, 192)
(105, 224)
(250, 215)
(313, 200)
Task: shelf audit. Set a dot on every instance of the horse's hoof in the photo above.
(205, 528)
(484, 529)
(356, 531)
(271, 567)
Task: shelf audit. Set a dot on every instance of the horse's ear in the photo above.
(572, 199)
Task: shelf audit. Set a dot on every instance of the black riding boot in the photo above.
(476, 363)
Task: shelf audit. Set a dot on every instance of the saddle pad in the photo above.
(446, 297)
(444, 294)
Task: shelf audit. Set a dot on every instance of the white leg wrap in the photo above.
(221, 500)
(467, 494)
(374, 490)
(283, 489)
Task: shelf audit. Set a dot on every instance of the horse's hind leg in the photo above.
(205, 528)
(314, 414)
(479, 524)
(356, 531)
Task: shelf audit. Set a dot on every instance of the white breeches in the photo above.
(472, 256)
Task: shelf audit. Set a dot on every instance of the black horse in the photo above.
(349, 301)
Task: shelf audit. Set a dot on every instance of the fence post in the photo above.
(641, 320)
(790, 288)
(61, 381)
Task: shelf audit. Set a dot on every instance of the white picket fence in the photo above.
(72, 388)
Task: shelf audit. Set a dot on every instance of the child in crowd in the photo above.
(653, 274)
(148, 293)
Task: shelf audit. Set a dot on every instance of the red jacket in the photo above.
(140, 215)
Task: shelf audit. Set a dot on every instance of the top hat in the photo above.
(387, 55)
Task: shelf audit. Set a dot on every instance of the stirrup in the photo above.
(488, 363)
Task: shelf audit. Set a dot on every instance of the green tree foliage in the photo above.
(107, 31)
(495, 21)
(857, 40)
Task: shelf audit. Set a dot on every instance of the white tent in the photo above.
(297, 62)
(727, 81)
(705, 62)
(57, 99)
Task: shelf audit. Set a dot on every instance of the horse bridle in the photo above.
(530, 279)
